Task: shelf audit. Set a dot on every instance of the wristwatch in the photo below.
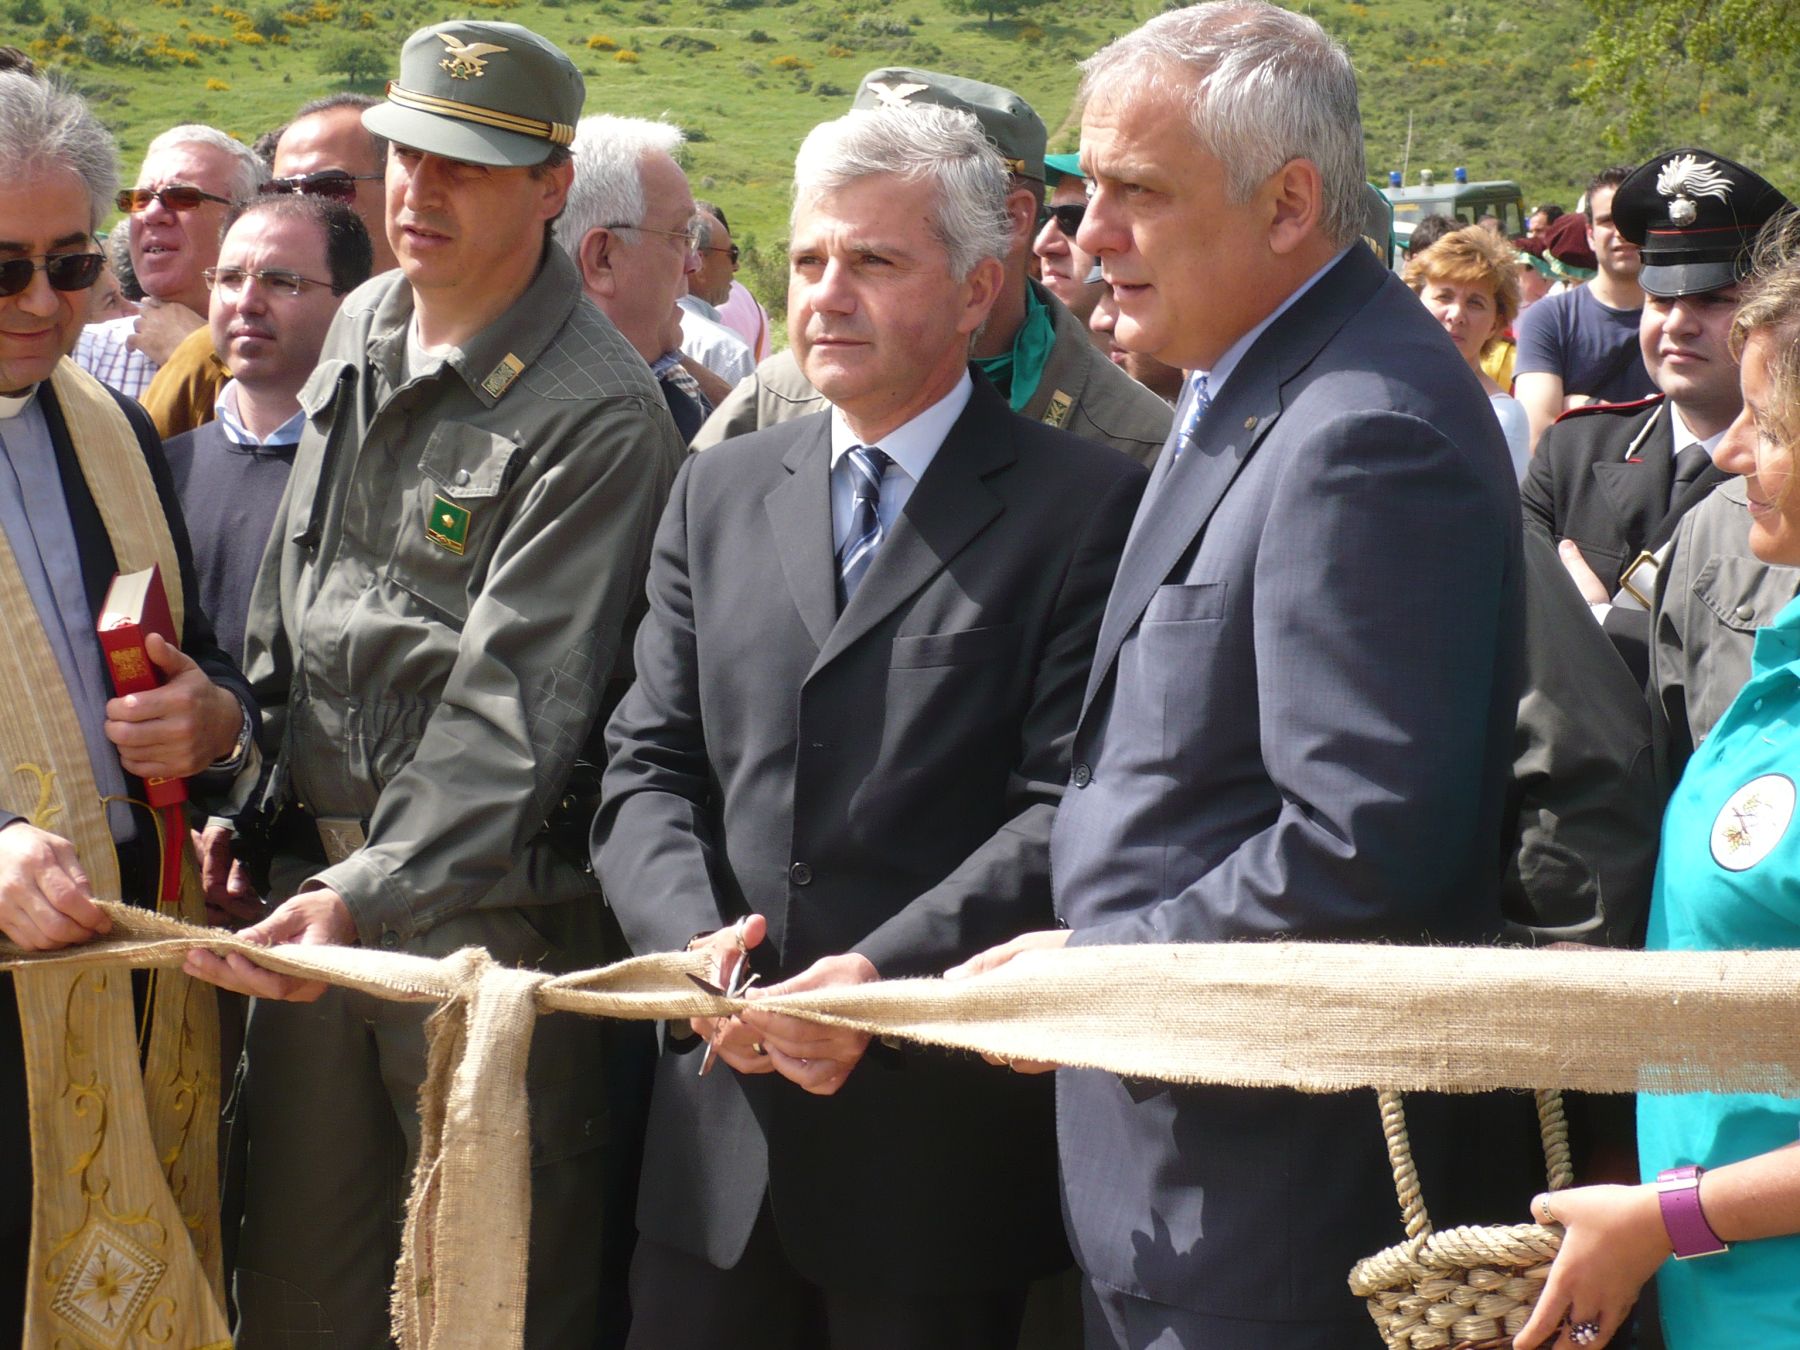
(1678, 1194)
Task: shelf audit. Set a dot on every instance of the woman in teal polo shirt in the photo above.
(1721, 1172)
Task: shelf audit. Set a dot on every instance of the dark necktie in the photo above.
(866, 465)
(1689, 465)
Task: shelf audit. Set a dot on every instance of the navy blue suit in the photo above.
(1297, 725)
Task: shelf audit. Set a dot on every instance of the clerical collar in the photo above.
(11, 405)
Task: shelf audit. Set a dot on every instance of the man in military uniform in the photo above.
(1609, 483)
(1033, 349)
(457, 564)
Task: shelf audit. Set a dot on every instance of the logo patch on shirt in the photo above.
(1056, 412)
(1752, 822)
(448, 525)
(500, 378)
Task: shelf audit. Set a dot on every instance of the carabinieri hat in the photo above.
(1009, 121)
(486, 93)
(1694, 216)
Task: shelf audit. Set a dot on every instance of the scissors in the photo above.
(740, 980)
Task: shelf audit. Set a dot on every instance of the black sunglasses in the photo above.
(714, 248)
(177, 197)
(334, 184)
(1067, 217)
(65, 271)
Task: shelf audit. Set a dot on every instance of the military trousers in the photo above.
(329, 1125)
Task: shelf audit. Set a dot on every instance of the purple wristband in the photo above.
(1678, 1194)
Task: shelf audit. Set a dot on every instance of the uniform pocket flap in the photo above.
(321, 386)
(1179, 604)
(465, 461)
(955, 649)
(1745, 593)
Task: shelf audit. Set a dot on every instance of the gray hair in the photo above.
(249, 172)
(944, 147)
(1264, 86)
(609, 154)
(43, 126)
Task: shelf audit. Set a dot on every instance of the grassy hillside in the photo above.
(1482, 83)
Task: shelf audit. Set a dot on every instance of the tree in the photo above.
(994, 8)
(1644, 48)
(357, 60)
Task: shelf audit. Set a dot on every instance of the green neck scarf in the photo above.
(1016, 373)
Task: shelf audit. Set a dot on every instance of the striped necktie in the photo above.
(866, 465)
(1196, 409)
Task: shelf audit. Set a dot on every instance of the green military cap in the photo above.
(1059, 167)
(485, 93)
(1009, 121)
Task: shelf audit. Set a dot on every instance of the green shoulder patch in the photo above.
(448, 525)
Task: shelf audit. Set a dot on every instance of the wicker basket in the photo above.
(1464, 1287)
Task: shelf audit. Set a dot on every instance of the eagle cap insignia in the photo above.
(1752, 822)
(894, 95)
(467, 60)
(1686, 177)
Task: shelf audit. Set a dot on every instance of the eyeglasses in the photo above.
(714, 248)
(231, 280)
(334, 184)
(176, 196)
(1067, 217)
(64, 271)
(688, 234)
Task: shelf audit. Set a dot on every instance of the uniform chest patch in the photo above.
(448, 528)
(1752, 822)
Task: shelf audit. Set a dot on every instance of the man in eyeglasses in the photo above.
(455, 575)
(1033, 349)
(1063, 265)
(191, 176)
(324, 152)
(84, 492)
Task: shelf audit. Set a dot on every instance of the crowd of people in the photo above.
(1119, 552)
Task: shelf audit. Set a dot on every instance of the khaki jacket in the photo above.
(454, 573)
(1080, 391)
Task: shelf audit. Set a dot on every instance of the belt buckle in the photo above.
(341, 836)
(1645, 562)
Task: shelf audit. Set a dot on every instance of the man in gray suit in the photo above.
(1299, 715)
(867, 638)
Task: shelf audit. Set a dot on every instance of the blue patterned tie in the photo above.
(866, 467)
(1190, 424)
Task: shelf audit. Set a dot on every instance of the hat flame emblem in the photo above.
(466, 59)
(1688, 176)
(894, 95)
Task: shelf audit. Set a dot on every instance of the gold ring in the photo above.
(758, 1047)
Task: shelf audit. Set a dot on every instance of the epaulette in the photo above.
(1637, 405)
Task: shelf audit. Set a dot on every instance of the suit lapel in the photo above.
(948, 508)
(1183, 493)
(800, 516)
(1638, 493)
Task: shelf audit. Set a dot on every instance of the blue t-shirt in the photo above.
(1594, 349)
(1728, 879)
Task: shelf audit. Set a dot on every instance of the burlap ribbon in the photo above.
(125, 1248)
(1316, 1017)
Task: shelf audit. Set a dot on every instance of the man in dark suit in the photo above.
(867, 636)
(56, 176)
(1610, 483)
(1300, 711)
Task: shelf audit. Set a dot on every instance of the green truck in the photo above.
(1467, 201)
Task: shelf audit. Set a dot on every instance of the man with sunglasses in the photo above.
(451, 588)
(325, 152)
(83, 489)
(704, 336)
(1033, 349)
(191, 176)
(1064, 266)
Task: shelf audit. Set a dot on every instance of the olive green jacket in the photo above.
(1080, 391)
(452, 579)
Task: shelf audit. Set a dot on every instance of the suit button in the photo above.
(801, 874)
(1081, 776)
(1746, 613)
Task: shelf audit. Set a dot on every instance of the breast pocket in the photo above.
(1187, 603)
(966, 647)
(450, 514)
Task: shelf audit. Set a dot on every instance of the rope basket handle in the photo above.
(1553, 1130)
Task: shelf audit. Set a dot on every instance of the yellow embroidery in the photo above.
(47, 808)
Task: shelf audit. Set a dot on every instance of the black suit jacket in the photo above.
(99, 565)
(880, 781)
(1601, 476)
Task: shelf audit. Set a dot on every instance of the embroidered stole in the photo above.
(124, 1240)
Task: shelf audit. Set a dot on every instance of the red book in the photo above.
(137, 606)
